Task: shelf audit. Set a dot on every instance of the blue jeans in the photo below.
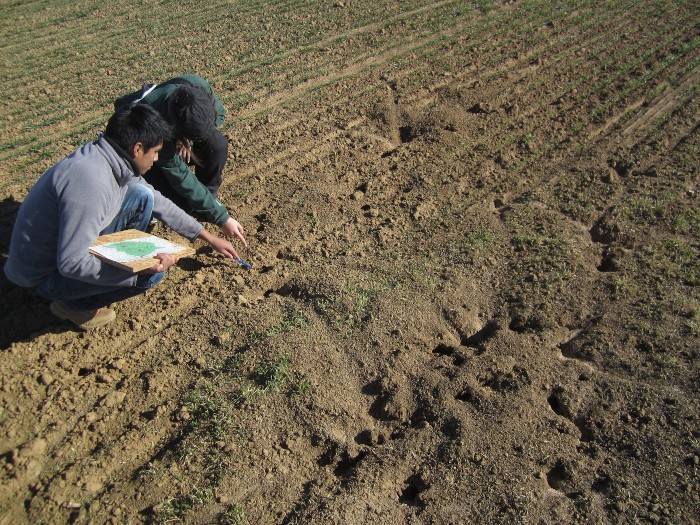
(135, 212)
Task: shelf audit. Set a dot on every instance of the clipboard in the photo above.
(134, 250)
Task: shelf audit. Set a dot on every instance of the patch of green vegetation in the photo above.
(687, 222)
(206, 424)
(693, 323)
(291, 319)
(544, 252)
(477, 239)
(577, 128)
(356, 304)
(271, 376)
(175, 509)
(461, 250)
(644, 78)
(172, 510)
(531, 241)
(322, 304)
(274, 375)
(648, 209)
(207, 416)
(235, 514)
(622, 287)
(303, 387)
(313, 221)
(352, 307)
(232, 365)
(675, 259)
(363, 298)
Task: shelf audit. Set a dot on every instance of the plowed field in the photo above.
(475, 231)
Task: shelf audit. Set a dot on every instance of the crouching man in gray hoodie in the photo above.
(96, 190)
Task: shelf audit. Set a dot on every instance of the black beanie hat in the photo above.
(191, 111)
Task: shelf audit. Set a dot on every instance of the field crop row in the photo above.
(66, 68)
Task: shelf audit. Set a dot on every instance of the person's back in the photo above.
(85, 195)
(190, 169)
(75, 198)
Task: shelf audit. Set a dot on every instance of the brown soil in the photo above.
(474, 297)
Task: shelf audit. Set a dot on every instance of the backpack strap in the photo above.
(148, 88)
(137, 96)
(131, 99)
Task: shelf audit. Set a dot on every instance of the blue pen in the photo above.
(243, 263)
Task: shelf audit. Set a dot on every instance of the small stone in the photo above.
(113, 399)
(221, 339)
(34, 468)
(183, 414)
(93, 486)
(35, 448)
(46, 379)
(104, 378)
(118, 364)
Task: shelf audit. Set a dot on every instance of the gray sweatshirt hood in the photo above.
(123, 167)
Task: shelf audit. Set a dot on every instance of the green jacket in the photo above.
(176, 171)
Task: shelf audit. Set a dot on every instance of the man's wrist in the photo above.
(205, 235)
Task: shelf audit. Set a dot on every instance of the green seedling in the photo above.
(269, 377)
(235, 514)
(292, 318)
(274, 375)
(303, 387)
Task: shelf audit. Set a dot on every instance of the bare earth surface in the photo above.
(475, 231)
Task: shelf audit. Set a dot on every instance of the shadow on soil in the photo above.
(22, 314)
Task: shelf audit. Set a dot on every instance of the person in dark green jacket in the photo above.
(190, 167)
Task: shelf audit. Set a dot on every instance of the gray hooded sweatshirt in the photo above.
(66, 210)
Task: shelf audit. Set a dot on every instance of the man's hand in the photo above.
(167, 260)
(184, 148)
(233, 228)
(222, 246)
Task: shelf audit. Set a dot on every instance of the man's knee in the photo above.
(140, 195)
(214, 151)
(140, 199)
(147, 281)
(221, 145)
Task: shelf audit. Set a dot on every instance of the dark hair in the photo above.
(138, 123)
(191, 110)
